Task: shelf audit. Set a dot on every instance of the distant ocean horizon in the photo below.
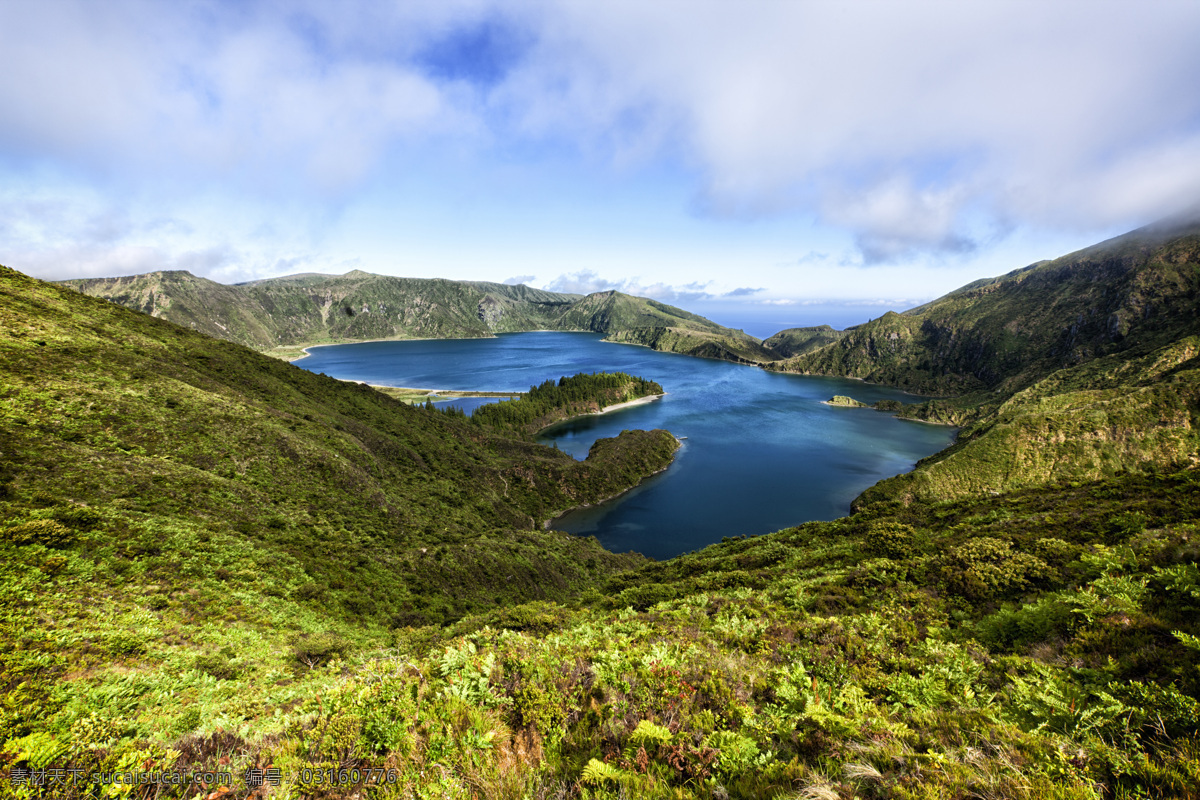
(763, 321)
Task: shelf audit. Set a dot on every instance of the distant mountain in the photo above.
(312, 308)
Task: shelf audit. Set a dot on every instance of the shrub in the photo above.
(46, 532)
(1015, 628)
(310, 591)
(157, 602)
(985, 568)
(647, 734)
(1056, 551)
(126, 643)
(218, 666)
(1122, 526)
(889, 539)
(320, 648)
(643, 597)
(79, 518)
(878, 572)
(538, 617)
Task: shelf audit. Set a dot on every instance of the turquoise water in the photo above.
(761, 451)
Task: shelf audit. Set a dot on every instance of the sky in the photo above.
(771, 162)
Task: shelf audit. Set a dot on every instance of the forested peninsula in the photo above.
(215, 563)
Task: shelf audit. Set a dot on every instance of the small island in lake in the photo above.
(843, 401)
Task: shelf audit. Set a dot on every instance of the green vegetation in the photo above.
(280, 315)
(1073, 369)
(797, 341)
(1130, 295)
(1042, 644)
(553, 402)
(845, 402)
(431, 395)
(213, 561)
(184, 518)
(727, 345)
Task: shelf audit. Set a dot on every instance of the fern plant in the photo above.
(597, 773)
(647, 734)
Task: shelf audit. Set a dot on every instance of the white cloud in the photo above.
(518, 280)
(588, 282)
(917, 125)
(583, 282)
(199, 92)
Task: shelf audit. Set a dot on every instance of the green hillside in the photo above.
(1080, 368)
(312, 309)
(1131, 294)
(215, 562)
(154, 478)
(797, 341)
(726, 344)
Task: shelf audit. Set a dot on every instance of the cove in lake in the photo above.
(762, 452)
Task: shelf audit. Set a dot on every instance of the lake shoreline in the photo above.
(546, 526)
(762, 452)
(650, 398)
(304, 348)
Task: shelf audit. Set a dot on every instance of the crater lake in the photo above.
(760, 450)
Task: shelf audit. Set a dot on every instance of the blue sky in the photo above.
(790, 161)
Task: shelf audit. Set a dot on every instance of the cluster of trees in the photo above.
(568, 397)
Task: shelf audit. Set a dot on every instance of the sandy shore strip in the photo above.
(650, 398)
(410, 395)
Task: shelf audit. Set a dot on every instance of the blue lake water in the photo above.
(761, 451)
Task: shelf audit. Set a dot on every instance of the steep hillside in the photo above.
(1074, 369)
(310, 309)
(167, 438)
(797, 341)
(1103, 418)
(727, 345)
(306, 309)
(1131, 294)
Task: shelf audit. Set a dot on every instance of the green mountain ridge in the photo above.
(313, 308)
(1078, 368)
(1132, 293)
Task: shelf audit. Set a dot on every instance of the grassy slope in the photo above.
(797, 341)
(727, 345)
(1038, 645)
(164, 495)
(1108, 416)
(1131, 294)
